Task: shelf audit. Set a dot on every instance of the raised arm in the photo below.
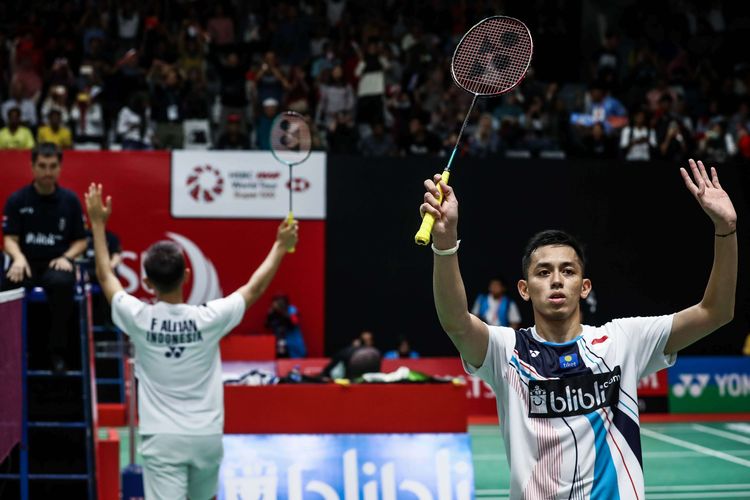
(469, 334)
(717, 306)
(98, 215)
(286, 238)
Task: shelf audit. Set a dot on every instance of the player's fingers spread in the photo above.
(688, 181)
(696, 174)
(715, 178)
(704, 174)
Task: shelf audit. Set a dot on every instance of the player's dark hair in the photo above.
(546, 238)
(164, 265)
(46, 149)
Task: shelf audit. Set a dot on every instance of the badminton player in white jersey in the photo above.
(566, 392)
(181, 404)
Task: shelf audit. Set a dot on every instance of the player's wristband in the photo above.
(725, 235)
(446, 252)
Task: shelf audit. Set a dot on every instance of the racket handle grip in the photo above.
(289, 220)
(425, 230)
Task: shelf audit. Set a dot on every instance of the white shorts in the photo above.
(178, 466)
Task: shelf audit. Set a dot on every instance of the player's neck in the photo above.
(174, 297)
(558, 331)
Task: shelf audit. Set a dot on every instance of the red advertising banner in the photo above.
(222, 253)
(654, 385)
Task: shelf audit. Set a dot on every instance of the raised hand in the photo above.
(445, 230)
(97, 210)
(711, 197)
(287, 233)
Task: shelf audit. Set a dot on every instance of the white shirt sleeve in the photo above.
(228, 311)
(495, 361)
(125, 308)
(647, 337)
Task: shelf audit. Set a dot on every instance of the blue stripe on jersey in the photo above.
(605, 477)
(514, 362)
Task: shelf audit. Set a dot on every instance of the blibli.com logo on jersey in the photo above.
(573, 395)
(569, 360)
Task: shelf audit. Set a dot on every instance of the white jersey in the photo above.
(177, 361)
(569, 412)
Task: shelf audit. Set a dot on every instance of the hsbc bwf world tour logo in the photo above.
(205, 183)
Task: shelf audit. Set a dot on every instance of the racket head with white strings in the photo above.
(291, 143)
(491, 59)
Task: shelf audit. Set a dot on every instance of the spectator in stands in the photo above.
(57, 99)
(128, 23)
(378, 143)
(88, 119)
(673, 145)
(597, 144)
(484, 142)
(717, 145)
(270, 81)
(336, 96)
(43, 234)
(167, 102)
(283, 320)
(14, 135)
(495, 307)
(25, 105)
(134, 124)
(419, 141)
(233, 138)
(638, 140)
(404, 351)
(265, 121)
(232, 94)
(370, 70)
(342, 135)
(55, 132)
(603, 107)
(221, 27)
(298, 94)
(196, 99)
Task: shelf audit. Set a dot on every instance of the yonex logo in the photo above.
(174, 351)
(691, 384)
(600, 340)
(534, 354)
(205, 183)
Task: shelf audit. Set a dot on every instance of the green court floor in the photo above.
(680, 461)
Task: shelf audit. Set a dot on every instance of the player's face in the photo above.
(555, 283)
(46, 170)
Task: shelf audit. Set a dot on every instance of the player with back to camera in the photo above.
(181, 405)
(566, 392)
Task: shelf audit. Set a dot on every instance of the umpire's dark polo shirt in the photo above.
(46, 225)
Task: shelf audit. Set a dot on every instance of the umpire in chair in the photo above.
(43, 234)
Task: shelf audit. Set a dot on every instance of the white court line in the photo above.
(739, 427)
(720, 433)
(708, 494)
(695, 447)
(492, 457)
(699, 487)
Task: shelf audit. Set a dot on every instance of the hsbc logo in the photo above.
(298, 184)
(690, 384)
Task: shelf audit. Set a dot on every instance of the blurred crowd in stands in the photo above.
(638, 80)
